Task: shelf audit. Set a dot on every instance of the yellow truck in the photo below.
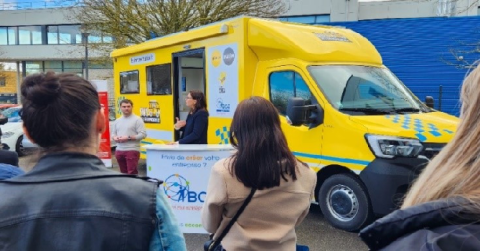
(343, 112)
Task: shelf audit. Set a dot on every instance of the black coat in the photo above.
(71, 201)
(8, 157)
(195, 131)
(437, 225)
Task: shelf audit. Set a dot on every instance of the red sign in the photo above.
(104, 151)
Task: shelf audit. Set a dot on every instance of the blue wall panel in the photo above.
(417, 51)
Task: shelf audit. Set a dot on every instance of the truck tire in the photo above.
(344, 202)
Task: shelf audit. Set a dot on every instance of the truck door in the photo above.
(289, 81)
(188, 74)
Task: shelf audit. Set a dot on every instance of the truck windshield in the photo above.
(363, 90)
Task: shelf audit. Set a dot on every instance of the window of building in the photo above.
(312, 19)
(285, 85)
(100, 64)
(129, 82)
(30, 35)
(75, 67)
(97, 37)
(52, 34)
(8, 35)
(12, 35)
(58, 66)
(3, 36)
(3, 82)
(64, 34)
(67, 65)
(33, 67)
(107, 39)
(159, 80)
(68, 34)
(55, 66)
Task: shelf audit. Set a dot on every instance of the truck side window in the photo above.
(159, 80)
(129, 82)
(284, 85)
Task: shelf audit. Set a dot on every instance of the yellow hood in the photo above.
(433, 127)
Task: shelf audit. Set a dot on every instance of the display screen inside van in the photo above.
(365, 90)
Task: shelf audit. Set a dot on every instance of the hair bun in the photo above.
(41, 89)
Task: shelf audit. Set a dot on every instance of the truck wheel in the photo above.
(19, 147)
(344, 202)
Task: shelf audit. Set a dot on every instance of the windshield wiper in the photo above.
(408, 109)
(366, 110)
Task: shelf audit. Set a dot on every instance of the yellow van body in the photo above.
(365, 160)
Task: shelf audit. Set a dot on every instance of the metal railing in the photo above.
(39, 5)
(446, 99)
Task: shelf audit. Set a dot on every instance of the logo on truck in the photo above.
(228, 56)
(216, 58)
(222, 79)
(222, 107)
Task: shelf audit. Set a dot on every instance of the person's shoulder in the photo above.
(8, 171)
(440, 238)
(222, 166)
(136, 117)
(201, 112)
(305, 169)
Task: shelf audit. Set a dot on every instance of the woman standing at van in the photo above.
(442, 209)
(262, 161)
(195, 128)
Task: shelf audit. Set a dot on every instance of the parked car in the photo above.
(6, 106)
(12, 131)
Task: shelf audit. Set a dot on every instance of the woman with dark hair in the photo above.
(70, 200)
(264, 162)
(195, 127)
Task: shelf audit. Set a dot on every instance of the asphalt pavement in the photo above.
(314, 231)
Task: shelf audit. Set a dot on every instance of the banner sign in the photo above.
(185, 172)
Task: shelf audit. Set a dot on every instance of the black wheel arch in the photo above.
(329, 171)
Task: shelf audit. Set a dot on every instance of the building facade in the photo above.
(319, 11)
(50, 39)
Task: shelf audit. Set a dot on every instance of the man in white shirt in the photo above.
(127, 132)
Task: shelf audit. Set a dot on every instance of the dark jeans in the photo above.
(128, 161)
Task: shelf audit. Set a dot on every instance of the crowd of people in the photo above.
(71, 201)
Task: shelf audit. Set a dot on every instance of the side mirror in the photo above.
(300, 111)
(429, 101)
(3, 120)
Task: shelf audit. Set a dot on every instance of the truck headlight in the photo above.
(389, 147)
(7, 135)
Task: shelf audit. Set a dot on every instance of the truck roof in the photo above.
(270, 39)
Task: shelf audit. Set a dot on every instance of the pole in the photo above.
(440, 94)
(19, 81)
(86, 56)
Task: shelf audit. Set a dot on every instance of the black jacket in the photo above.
(8, 157)
(437, 225)
(70, 201)
(195, 131)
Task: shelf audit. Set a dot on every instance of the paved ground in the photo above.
(314, 231)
